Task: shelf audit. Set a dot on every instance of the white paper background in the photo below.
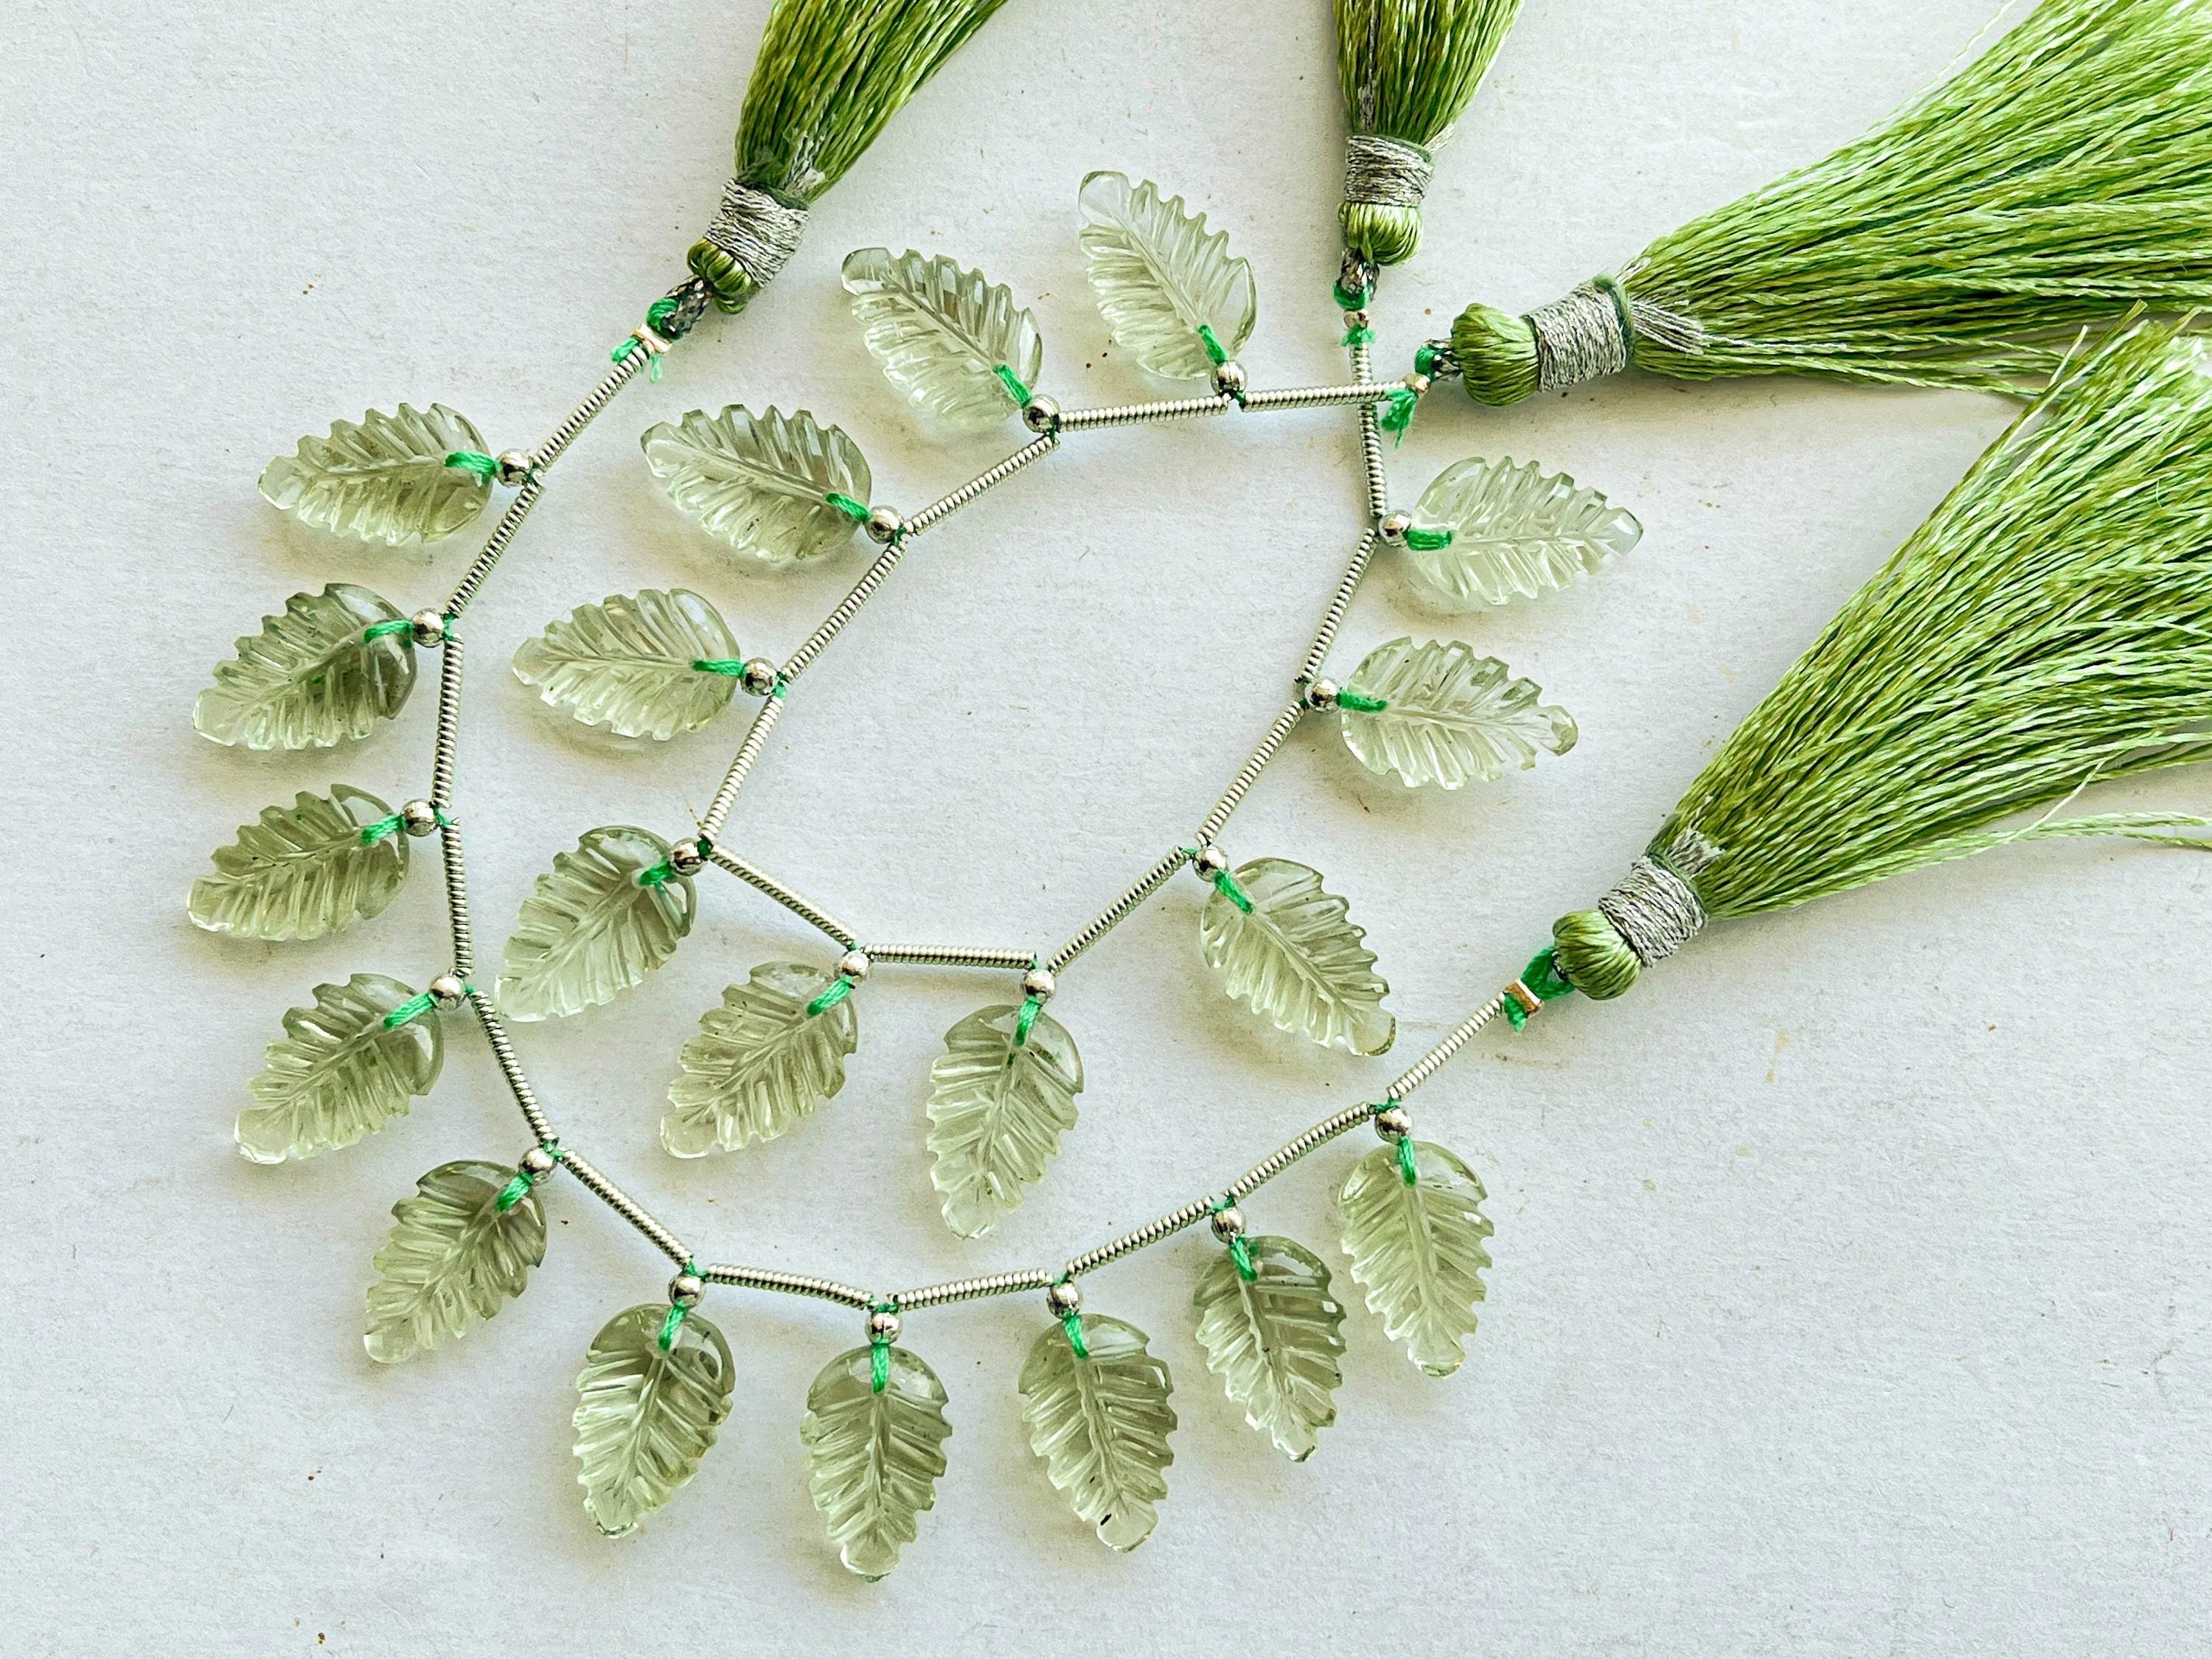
(1850, 1286)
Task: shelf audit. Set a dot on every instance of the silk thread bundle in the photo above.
(2061, 180)
(1409, 68)
(830, 75)
(2049, 627)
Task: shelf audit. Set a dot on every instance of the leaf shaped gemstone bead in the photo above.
(602, 918)
(1447, 715)
(761, 483)
(1101, 1422)
(1417, 1246)
(999, 1100)
(1485, 530)
(384, 478)
(1159, 277)
(1290, 952)
(942, 335)
(646, 1415)
(873, 1456)
(452, 1258)
(627, 663)
(339, 1072)
(312, 677)
(303, 870)
(761, 1062)
(1274, 1339)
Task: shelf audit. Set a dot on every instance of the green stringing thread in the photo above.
(1216, 353)
(674, 1323)
(416, 1006)
(729, 665)
(1241, 1254)
(1225, 884)
(1348, 300)
(856, 511)
(1360, 703)
(879, 1352)
(1425, 360)
(780, 689)
(469, 460)
(1013, 383)
(1406, 1170)
(661, 311)
(1428, 541)
(373, 833)
(658, 875)
(831, 995)
(1358, 336)
(1071, 1323)
(620, 354)
(1031, 1007)
(1541, 975)
(376, 631)
(1399, 417)
(522, 1181)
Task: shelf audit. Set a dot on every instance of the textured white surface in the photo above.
(1850, 1285)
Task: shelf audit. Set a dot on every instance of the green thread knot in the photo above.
(1241, 1254)
(1425, 360)
(1543, 978)
(411, 1010)
(856, 511)
(1216, 353)
(658, 313)
(376, 631)
(657, 875)
(1358, 336)
(1225, 884)
(1428, 541)
(1031, 1007)
(1072, 1324)
(729, 665)
(470, 460)
(1352, 299)
(670, 1325)
(831, 995)
(622, 354)
(1398, 418)
(1407, 1172)
(1012, 382)
(1360, 703)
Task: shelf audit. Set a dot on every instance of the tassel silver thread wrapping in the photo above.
(1386, 171)
(757, 230)
(1592, 332)
(1654, 908)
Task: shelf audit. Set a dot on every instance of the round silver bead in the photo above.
(447, 990)
(685, 1290)
(1228, 379)
(1356, 318)
(1415, 382)
(1040, 415)
(1038, 982)
(686, 858)
(759, 676)
(538, 1162)
(885, 524)
(1211, 861)
(515, 468)
(883, 1326)
(1063, 1298)
(1320, 693)
(419, 817)
(429, 627)
(1228, 1223)
(1393, 1123)
(1392, 526)
(853, 965)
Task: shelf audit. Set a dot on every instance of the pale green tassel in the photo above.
(830, 73)
(2061, 180)
(1409, 68)
(2048, 627)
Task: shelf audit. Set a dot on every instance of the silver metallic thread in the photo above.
(1371, 443)
(1317, 396)
(947, 505)
(752, 875)
(1249, 774)
(768, 1279)
(1340, 603)
(947, 955)
(1653, 907)
(760, 233)
(625, 1206)
(1433, 1062)
(494, 1030)
(1114, 914)
(1178, 408)
(503, 533)
(1386, 172)
(1592, 332)
(756, 739)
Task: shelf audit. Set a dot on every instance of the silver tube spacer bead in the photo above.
(885, 524)
(1392, 527)
(685, 1290)
(1228, 1223)
(1211, 861)
(1228, 379)
(686, 858)
(759, 676)
(419, 817)
(1393, 1123)
(447, 990)
(883, 1326)
(1320, 693)
(538, 1162)
(1063, 1298)
(1040, 415)
(429, 628)
(853, 965)
(515, 468)
(1038, 982)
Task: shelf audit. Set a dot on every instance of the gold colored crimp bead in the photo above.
(1529, 1001)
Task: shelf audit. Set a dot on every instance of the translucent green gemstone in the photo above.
(593, 927)
(339, 1072)
(302, 871)
(384, 479)
(310, 679)
(1485, 530)
(761, 483)
(1159, 278)
(1274, 1339)
(999, 1100)
(1448, 716)
(760, 1063)
(873, 1457)
(626, 663)
(646, 1415)
(453, 1257)
(942, 334)
(1101, 1424)
(1296, 958)
(1417, 1248)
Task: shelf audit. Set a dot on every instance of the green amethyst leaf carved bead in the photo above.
(302, 871)
(1159, 278)
(873, 1457)
(1000, 1101)
(626, 663)
(384, 478)
(1273, 1340)
(1448, 716)
(603, 918)
(1101, 1423)
(1485, 532)
(1417, 1248)
(1295, 958)
(453, 1259)
(312, 678)
(762, 482)
(339, 1072)
(761, 1062)
(942, 334)
(646, 1415)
